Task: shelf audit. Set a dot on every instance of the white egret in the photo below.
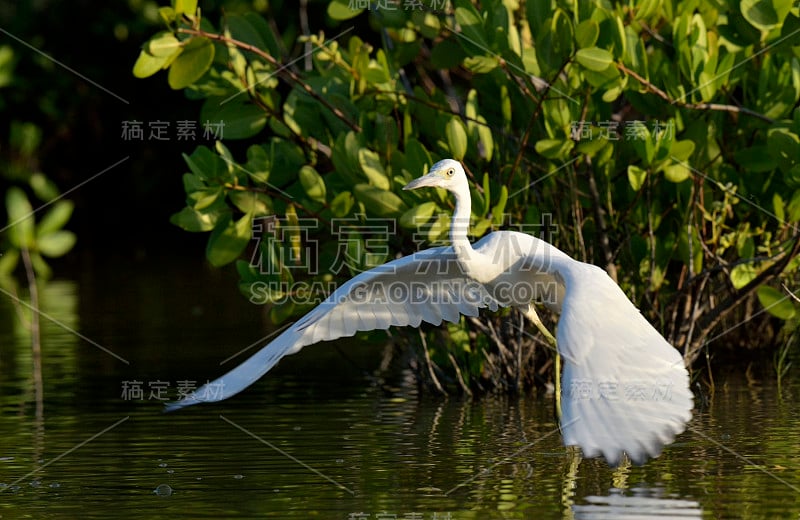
(626, 389)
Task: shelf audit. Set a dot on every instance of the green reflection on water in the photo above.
(321, 437)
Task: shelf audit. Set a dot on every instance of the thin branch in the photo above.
(693, 106)
(539, 103)
(459, 377)
(722, 310)
(793, 295)
(281, 70)
(605, 244)
(430, 365)
(36, 336)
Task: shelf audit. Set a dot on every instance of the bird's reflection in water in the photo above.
(640, 502)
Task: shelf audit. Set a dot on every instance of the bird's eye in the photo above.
(450, 172)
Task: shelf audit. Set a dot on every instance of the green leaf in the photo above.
(594, 58)
(312, 183)
(779, 207)
(44, 189)
(485, 139)
(447, 54)
(8, 261)
(20, 218)
(253, 203)
(743, 274)
(189, 219)
(258, 163)
(204, 198)
(498, 210)
(681, 150)
(55, 218)
(163, 45)
(146, 64)
(745, 246)
(40, 266)
(378, 202)
(342, 203)
(642, 141)
(418, 215)
(756, 159)
(167, 14)
(554, 44)
(554, 148)
(341, 10)
(763, 13)
(56, 244)
(471, 23)
(241, 29)
(239, 119)
(586, 33)
(205, 164)
(456, 138)
(784, 148)
(636, 176)
(228, 240)
(776, 303)
(677, 173)
(279, 313)
(371, 166)
(192, 63)
(481, 64)
(185, 6)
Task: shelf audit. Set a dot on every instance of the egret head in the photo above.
(447, 174)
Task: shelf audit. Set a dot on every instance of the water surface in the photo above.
(321, 436)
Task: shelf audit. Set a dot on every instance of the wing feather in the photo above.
(426, 286)
(625, 388)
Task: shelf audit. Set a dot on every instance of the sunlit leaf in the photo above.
(341, 204)
(192, 220)
(677, 172)
(228, 239)
(20, 218)
(636, 176)
(456, 138)
(343, 10)
(594, 58)
(379, 202)
(8, 261)
(471, 23)
(743, 274)
(192, 63)
(554, 148)
(776, 303)
(56, 244)
(418, 215)
(185, 6)
(371, 166)
(163, 45)
(312, 183)
(44, 188)
(146, 64)
(586, 33)
(56, 217)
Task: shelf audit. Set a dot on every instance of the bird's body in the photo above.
(625, 388)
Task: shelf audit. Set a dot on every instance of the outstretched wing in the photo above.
(427, 286)
(625, 389)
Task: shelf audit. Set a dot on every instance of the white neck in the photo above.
(459, 227)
